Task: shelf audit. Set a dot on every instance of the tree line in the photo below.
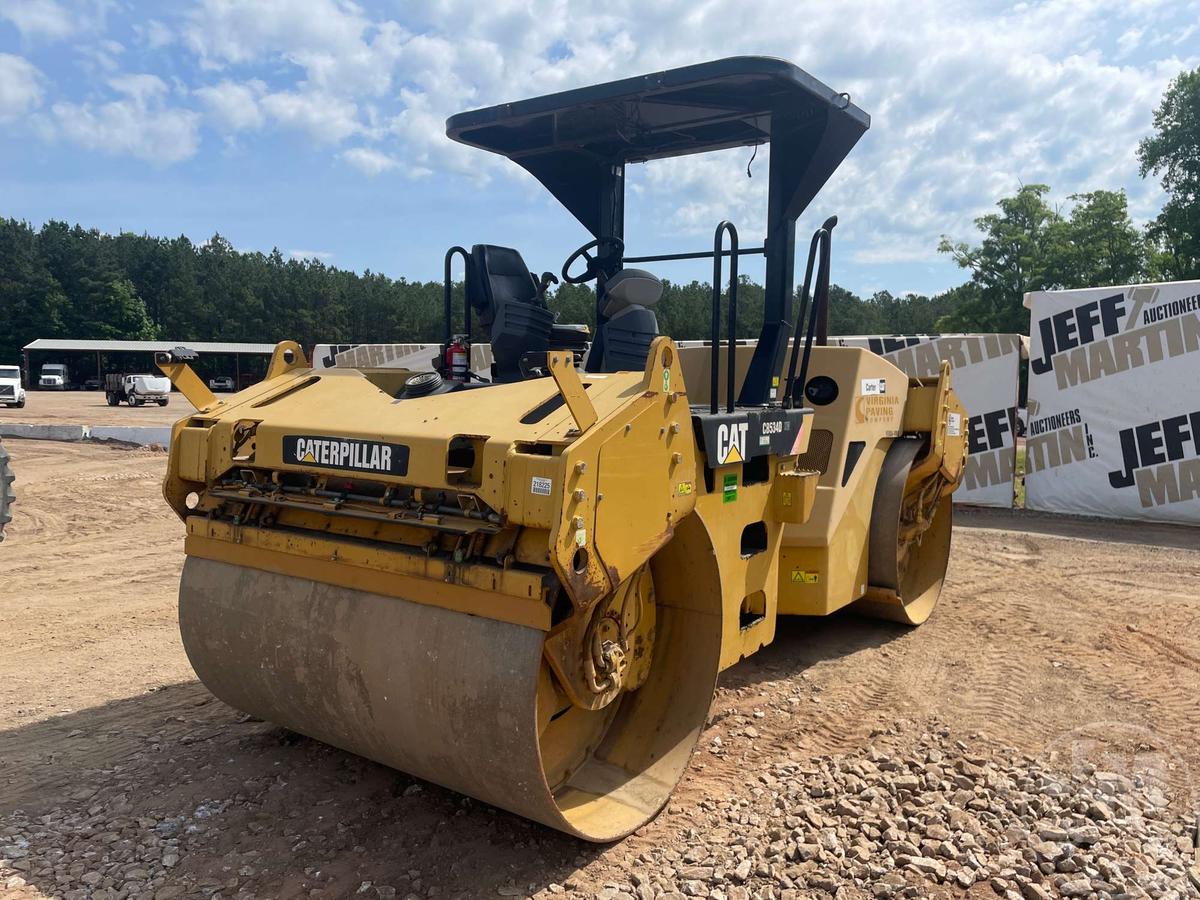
(69, 281)
(64, 280)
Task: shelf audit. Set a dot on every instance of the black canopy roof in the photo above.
(571, 140)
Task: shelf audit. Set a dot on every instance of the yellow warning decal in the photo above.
(799, 576)
(684, 488)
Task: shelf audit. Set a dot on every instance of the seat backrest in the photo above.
(623, 342)
(499, 275)
(627, 339)
(503, 291)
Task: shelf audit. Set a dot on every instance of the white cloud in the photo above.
(20, 87)
(321, 255)
(141, 88)
(101, 56)
(368, 161)
(234, 106)
(153, 34)
(372, 162)
(968, 99)
(326, 118)
(137, 125)
(39, 18)
(332, 41)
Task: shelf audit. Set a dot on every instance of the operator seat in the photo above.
(505, 294)
(623, 341)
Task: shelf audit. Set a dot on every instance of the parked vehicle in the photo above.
(53, 377)
(93, 384)
(136, 389)
(11, 391)
(221, 383)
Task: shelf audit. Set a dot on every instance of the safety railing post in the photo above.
(447, 295)
(715, 379)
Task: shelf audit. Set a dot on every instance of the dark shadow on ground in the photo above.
(803, 641)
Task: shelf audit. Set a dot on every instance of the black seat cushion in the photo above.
(504, 293)
(500, 276)
(569, 337)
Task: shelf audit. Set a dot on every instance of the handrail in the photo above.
(718, 256)
(699, 254)
(821, 241)
(447, 291)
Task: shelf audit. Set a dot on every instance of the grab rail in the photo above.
(447, 290)
(718, 258)
(699, 254)
(821, 241)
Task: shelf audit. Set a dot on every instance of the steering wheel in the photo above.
(593, 268)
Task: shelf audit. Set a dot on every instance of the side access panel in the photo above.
(858, 400)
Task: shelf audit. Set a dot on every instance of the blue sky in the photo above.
(317, 125)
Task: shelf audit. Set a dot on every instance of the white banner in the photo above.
(1114, 402)
(986, 369)
(374, 356)
(417, 357)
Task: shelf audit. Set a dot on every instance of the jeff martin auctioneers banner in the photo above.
(1114, 402)
(984, 370)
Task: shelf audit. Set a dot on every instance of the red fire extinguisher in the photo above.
(458, 357)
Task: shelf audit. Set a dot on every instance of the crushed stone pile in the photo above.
(901, 818)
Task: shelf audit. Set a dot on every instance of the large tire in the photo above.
(113, 399)
(20, 404)
(906, 579)
(163, 401)
(6, 491)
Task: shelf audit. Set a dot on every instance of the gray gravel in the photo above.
(943, 818)
(936, 819)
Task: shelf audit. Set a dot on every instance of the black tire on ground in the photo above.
(163, 401)
(6, 491)
(113, 399)
(20, 404)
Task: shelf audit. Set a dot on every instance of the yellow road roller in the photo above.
(522, 583)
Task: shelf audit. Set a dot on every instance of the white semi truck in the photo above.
(136, 389)
(11, 391)
(53, 377)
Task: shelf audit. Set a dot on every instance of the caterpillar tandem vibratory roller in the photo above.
(523, 583)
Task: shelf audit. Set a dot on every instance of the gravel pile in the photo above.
(897, 824)
(99, 851)
(942, 819)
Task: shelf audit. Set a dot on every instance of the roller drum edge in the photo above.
(445, 696)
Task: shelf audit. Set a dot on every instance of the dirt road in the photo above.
(90, 408)
(1052, 636)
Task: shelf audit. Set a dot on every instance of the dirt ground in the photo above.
(1052, 635)
(90, 408)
